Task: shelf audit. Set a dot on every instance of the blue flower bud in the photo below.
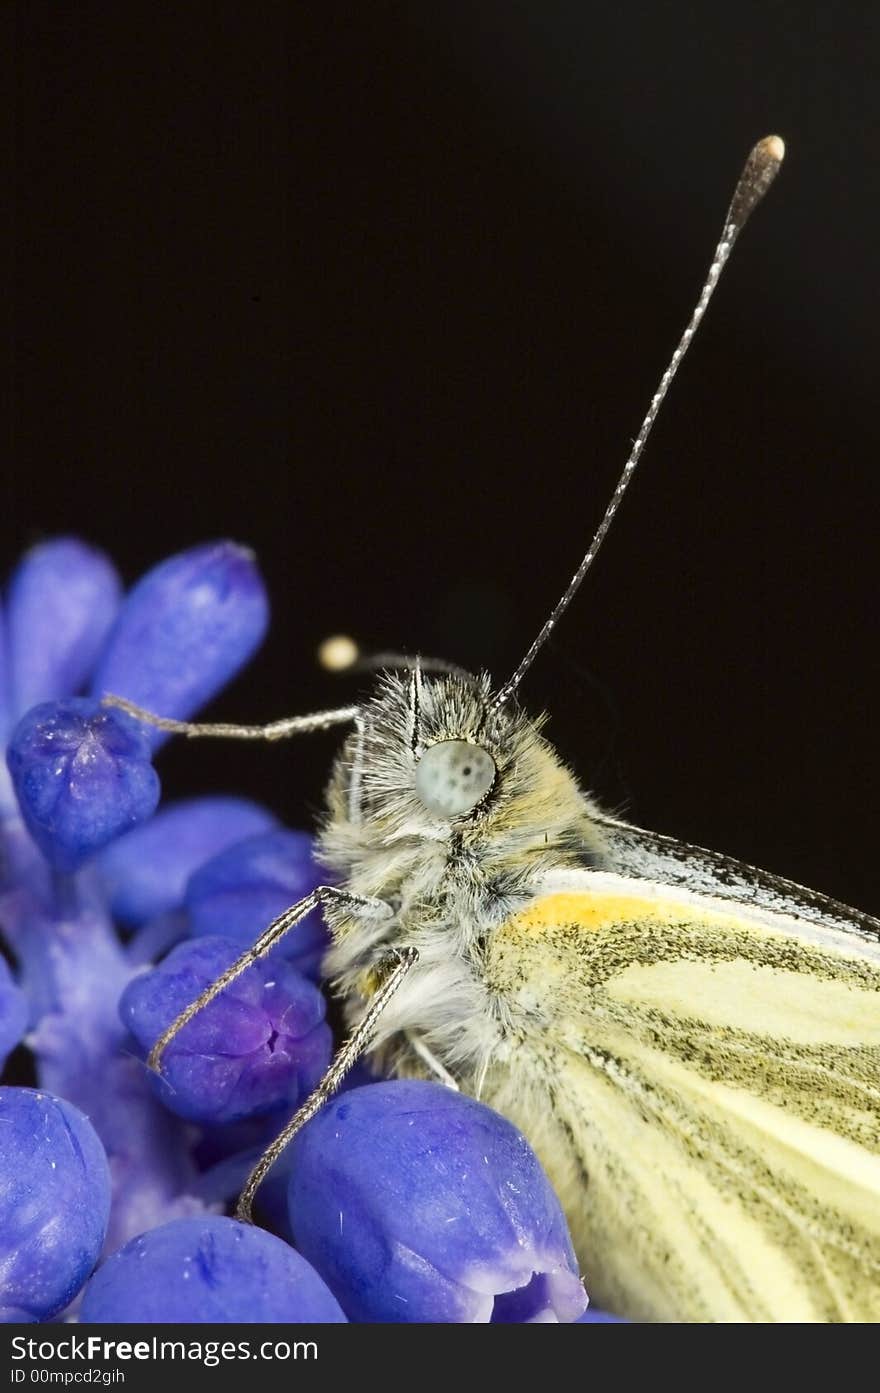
(416, 1203)
(184, 631)
(54, 1203)
(82, 775)
(13, 1012)
(145, 872)
(208, 1270)
(63, 599)
(262, 1043)
(243, 889)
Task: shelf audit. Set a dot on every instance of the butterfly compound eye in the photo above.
(453, 776)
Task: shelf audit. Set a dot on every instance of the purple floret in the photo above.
(82, 775)
(247, 885)
(416, 1203)
(63, 599)
(210, 1269)
(186, 627)
(54, 1203)
(262, 1043)
(145, 871)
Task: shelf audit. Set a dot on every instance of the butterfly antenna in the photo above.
(758, 174)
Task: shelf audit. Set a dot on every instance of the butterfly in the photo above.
(692, 1046)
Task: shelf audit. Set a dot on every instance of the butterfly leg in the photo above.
(365, 906)
(403, 960)
(275, 730)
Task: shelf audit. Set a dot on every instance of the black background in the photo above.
(383, 290)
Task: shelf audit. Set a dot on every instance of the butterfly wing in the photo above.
(654, 856)
(713, 1070)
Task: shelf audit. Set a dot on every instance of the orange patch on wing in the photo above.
(595, 912)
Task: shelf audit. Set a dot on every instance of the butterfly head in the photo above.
(437, 762)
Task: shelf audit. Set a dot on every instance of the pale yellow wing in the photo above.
(702, 1081)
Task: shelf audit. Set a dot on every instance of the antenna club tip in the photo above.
(338, 653)
(772, 148)
(759, 172)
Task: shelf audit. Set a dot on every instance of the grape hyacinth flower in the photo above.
(247, 885)
(82, 774)
(147, 872)
(54, 1203)
(77, 846)
(416, 1203)
(116, 915)
(262, 1044)
(208, 1269)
